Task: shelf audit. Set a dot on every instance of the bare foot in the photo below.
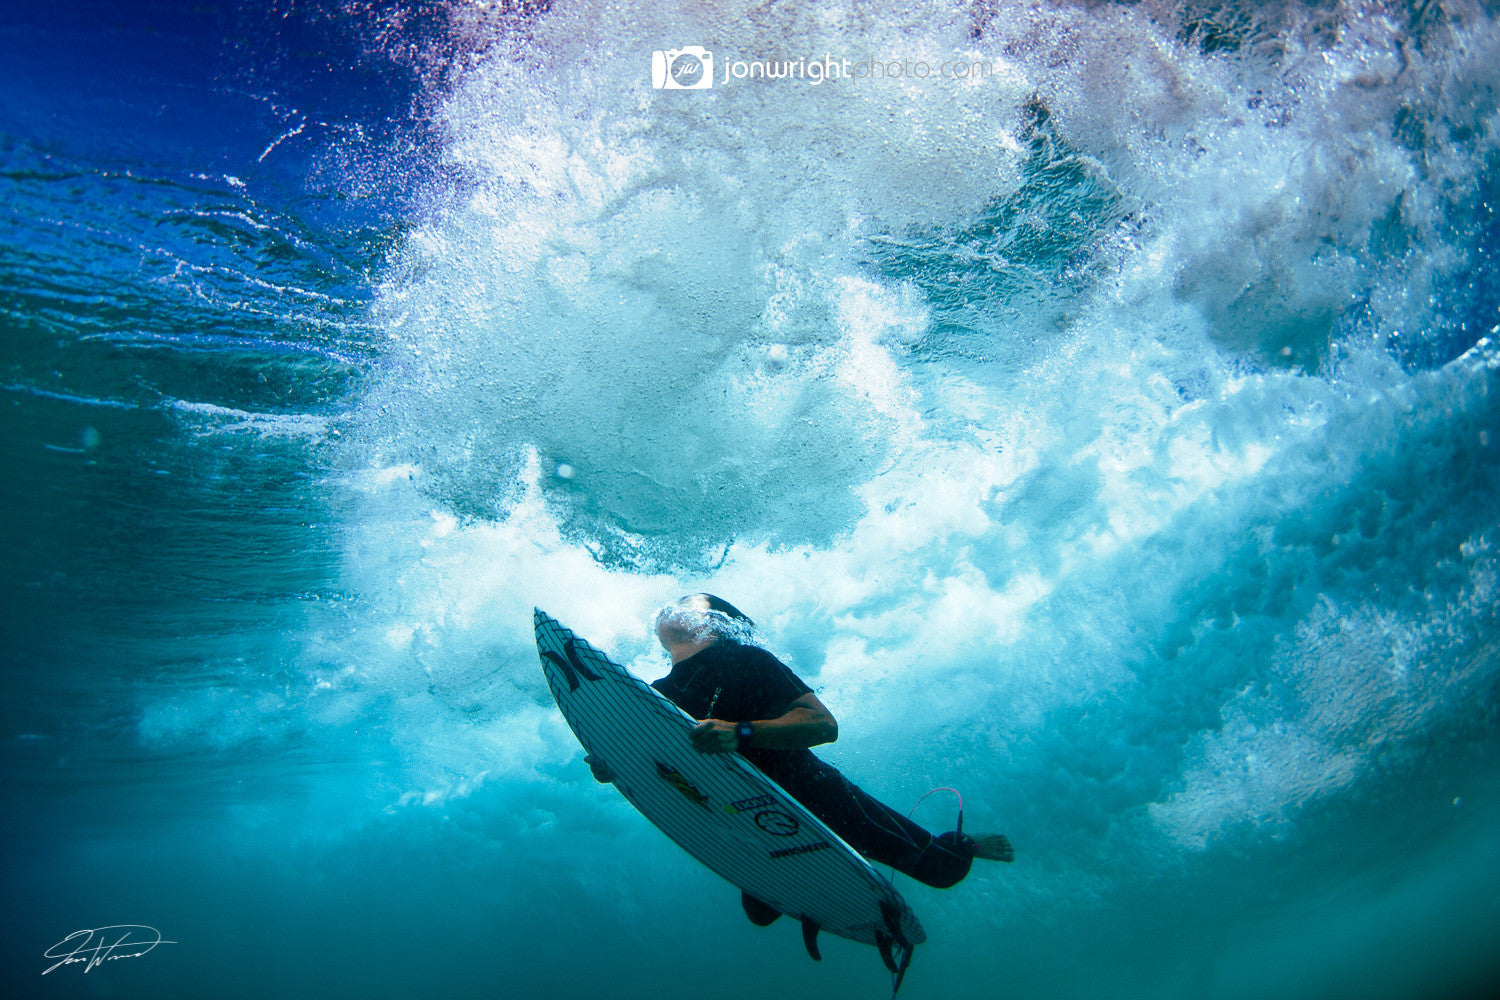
(994, 847)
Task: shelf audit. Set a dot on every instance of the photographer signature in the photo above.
(104, 944)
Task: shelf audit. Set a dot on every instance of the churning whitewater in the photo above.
(1094, 402)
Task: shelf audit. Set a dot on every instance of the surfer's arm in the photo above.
(806, 723)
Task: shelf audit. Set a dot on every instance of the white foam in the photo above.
(660, 292)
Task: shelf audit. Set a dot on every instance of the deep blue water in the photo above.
(1109, 432)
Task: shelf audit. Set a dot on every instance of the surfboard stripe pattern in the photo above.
(719, 808)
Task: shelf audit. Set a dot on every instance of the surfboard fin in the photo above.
(760, 914)
(895, 949)
(810, 938)
(896, 956)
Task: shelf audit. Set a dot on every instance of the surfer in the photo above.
(750, 703)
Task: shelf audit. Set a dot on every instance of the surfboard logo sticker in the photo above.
(787, 852)
(674, 777)
(746, 805)
(573, 667)
(777, 823)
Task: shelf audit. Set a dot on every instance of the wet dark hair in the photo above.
(704, 616)
(725, 608)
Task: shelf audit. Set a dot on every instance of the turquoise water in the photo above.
(1108, 431)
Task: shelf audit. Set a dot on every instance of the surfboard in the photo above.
(720, 808)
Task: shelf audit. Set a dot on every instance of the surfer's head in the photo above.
(702, 618)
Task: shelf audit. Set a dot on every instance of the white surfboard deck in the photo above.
(719, 808)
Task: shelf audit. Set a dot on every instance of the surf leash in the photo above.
(959, 829)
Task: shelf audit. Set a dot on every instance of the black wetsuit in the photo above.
(738, 683)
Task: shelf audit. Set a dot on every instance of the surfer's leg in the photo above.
(884, 835)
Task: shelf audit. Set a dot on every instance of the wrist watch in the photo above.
(744, 732)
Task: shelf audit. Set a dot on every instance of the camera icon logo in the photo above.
(688, 68)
